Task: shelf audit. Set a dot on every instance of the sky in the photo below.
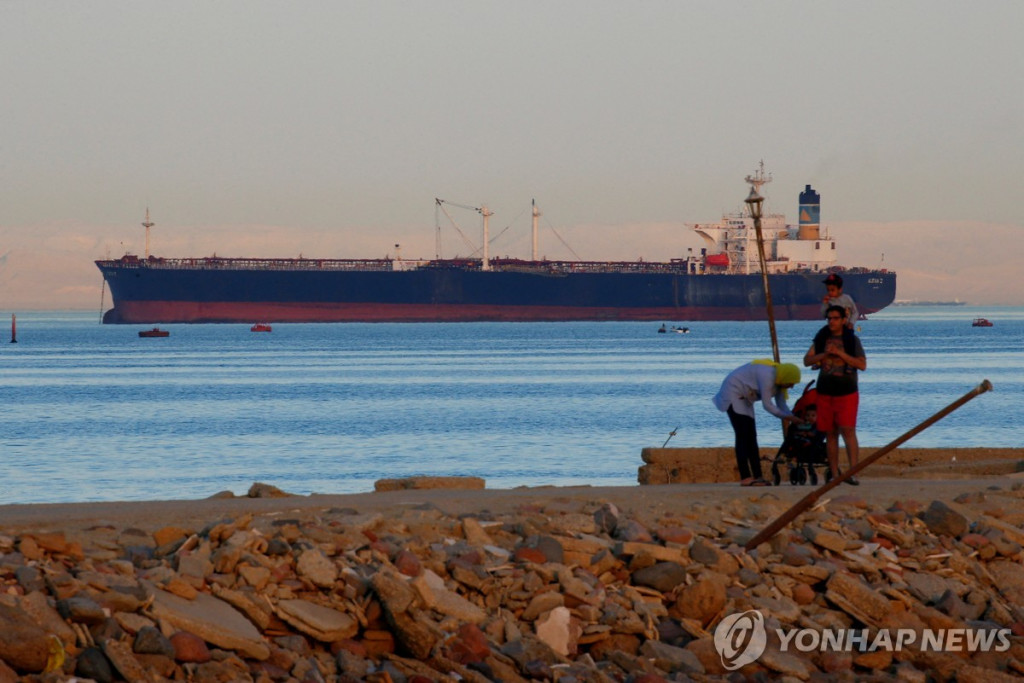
(328, 129)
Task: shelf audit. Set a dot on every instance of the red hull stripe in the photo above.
(193, 312)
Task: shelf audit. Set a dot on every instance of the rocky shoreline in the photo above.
(541, 584)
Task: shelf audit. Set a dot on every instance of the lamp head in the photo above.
(754, 201)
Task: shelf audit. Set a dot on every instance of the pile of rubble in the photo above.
(559, 592)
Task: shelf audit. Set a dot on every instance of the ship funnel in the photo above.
(810, 215)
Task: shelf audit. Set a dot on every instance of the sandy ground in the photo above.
(974, 470)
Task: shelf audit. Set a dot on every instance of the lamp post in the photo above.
(754, 201)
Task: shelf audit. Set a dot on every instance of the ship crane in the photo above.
(483, 211)
(147, 224)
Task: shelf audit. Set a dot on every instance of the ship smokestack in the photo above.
(810, 214)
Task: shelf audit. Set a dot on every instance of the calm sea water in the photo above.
(93, 412)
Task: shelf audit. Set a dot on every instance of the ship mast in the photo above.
(759, 178)
(486, 213)
(147, 224)
(536, 215)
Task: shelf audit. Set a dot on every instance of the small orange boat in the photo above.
(155, 332)
(260, 327)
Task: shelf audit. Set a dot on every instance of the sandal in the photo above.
(751, 481)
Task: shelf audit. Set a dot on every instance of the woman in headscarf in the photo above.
(759, 380)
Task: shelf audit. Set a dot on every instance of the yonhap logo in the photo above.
(740, 639)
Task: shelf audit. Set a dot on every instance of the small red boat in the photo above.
(155, 332)
(260, 327)
(981, 322)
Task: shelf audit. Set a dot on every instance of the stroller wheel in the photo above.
(801, 476)
(812, 475)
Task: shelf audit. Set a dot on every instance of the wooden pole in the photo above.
(767, 290)
(807, 501)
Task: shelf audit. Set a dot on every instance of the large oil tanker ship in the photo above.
(721, 282)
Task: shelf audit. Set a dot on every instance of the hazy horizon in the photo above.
(327, 129)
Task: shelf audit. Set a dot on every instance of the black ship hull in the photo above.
(236, 290)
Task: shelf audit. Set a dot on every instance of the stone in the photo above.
(322, 623)
(571, 524)
(29, 578)
(803, 594)
(150, 641)
(93, 664)
(395, 594)
(559, 631)
(257, 577)
(318, 568)
(463, 483)
(671, 658)
(607, 517)
(857, 599)
(1009, 576)
(526, 554)
(942, 520)
(81, 609)
(786, 663)
(928, 588)
(674, 534)
(658, 553)
(213, 620)
(189, 647)
(170, 534)
(435, 595)
(474, 532)
(407, 563)
(23, 644)
(662, 576)
(542, 603)
(120, 655)
(7, 674)
(713, 557)
(259, 490)
(469, 645)
(825, 539)
(632, 531)
(551, 549)
(38, 607)
(703, 600)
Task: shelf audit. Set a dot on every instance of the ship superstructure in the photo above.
(732, 243)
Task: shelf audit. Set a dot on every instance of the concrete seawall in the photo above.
(710, 465)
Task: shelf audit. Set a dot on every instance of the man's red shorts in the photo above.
(840, 411)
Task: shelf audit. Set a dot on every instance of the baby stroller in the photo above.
(803, 449)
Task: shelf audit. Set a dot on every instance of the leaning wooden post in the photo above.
(789, 515)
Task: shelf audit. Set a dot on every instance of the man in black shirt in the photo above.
(839, 354)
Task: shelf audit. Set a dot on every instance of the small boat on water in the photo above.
(260, 327)
(981, 322)
(155, 332)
